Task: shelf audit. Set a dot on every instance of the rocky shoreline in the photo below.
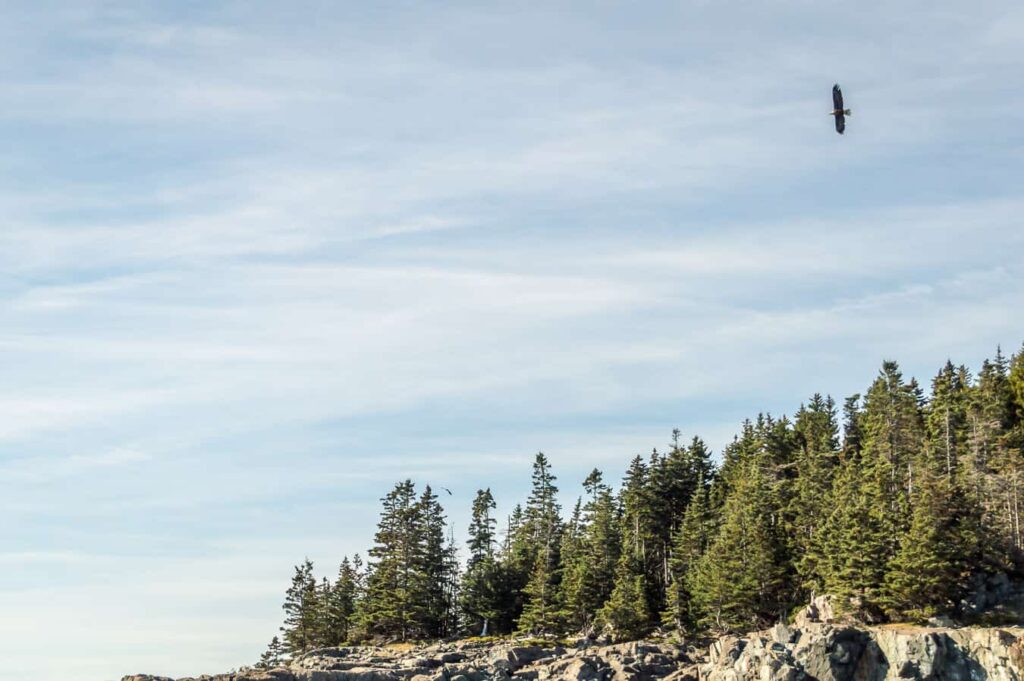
(819, 651)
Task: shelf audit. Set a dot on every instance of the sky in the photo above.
(259, 261)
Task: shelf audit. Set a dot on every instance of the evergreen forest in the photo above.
(894, 502)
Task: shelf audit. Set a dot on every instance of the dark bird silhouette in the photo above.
(838, 111)
(447, 490)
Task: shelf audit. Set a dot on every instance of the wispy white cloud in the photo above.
(26, 413)
(34, 469)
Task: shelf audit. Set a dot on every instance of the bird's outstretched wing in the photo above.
(837, 98)
(840, 122)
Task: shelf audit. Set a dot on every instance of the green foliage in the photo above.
(946, 418)
(894, 517)
(408, 592)
(854, 547)
(817, 458)
(739, 582)
(590, 559)
(273, 656)
(535, 560)
(1015, 382)
(544, 612)
(926, 576)
(340, 605)
(481, 600)
(301, 618)
(690, 543)
(625, 616)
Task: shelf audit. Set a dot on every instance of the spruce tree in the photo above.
(452, 622)
(925, 577)
(625, 616)
(893, 431)
(542, 523)
(301, 611)
(537, 552)
(1015, 382)
(544, 613)
(273, 656)
(947, 417)
(854, 546)
(480, 598)
(513, 565)
(640, 540)
(341, 605)
(571, 555)
(738, 584)
(481, 528)
(817, 459)
(324, 634)
(853, 435)
(395, 603)
(590, 569)
(432, 568)
(689, 544)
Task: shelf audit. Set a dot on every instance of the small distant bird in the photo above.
(837, 109)
(447, 490)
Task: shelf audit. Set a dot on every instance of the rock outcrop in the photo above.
(889, 653)
(815, 651)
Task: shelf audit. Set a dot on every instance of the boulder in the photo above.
(821, 610)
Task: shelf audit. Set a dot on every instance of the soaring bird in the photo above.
(837, 109)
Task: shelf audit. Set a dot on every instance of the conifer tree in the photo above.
(1015, 382)
(673, 480)
(542, 522)
(893, 432)
(817, 458)
(871, 496)
(481, 528)
(341, 605)
(992, 469)
(537, 549)
(947, 417)
(590, 567)
(738, 583)
(636, 510)
(452, 622)
(852, 434)
(544, 612)
(925, 577)
(432, 567)
(514, 563)
(689, 544)
(301, 609)
(854, 546)
(480, 598)
(571, 555)
(625, 616)
(324, 628)
(273, 656)
(640, 540)
(394, 604)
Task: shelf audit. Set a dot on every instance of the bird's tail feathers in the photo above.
(846, 112)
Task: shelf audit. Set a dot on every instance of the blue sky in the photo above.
(260, 260)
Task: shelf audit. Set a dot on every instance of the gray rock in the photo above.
(820, 651)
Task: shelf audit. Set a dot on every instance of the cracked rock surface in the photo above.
(814, 651)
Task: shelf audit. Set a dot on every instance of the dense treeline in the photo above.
(893, 506)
